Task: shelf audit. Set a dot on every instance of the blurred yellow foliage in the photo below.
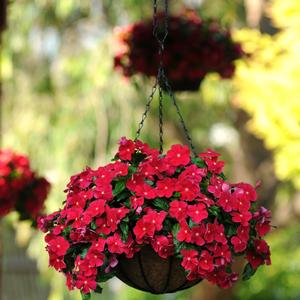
(268, 88)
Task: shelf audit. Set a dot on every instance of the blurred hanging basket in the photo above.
(194, 48)
(3, 17)
(21, 189)
(148, 272)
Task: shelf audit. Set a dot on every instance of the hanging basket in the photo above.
(148, 272)
(159, 222)
(194, 48)
(21, 190)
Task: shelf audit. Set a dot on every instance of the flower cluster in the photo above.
(20, 188)
(210, 49)
(180, 206)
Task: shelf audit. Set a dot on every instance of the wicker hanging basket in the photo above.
(148, 272)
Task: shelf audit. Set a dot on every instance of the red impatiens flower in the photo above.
(86, 284)
(163, 246)
(185, 233)
(189, 190)
(178, 210)
(206, 263)
(178, 155)
(198, 235)
(142, 229)
(96, 208)
(241, 217)
(197, 212)
(239, 245)
(115, 244)
(155, 218)
(136, 201)
(254, 259)
(166, 187)
(145, 191)
(193, 173)
(243, 233)
(246, 191)
(126, 149)
(58, 245)
(190, 259)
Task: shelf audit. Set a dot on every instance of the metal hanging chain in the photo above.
(162, 82)
(182, 123)
(148, 106)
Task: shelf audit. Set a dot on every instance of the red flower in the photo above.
(243, 233)
(241, 217)
(59, 246)
(205, 262)
(226, 201)
(189, 190)
(198, 235)
(239, 245)
(222, 254)
(185, 233)
(162, 245)
(115, 244)
(57, 263)
(165, 187)
(96, 208)
(85, 284)
(103, 192)
(136, 201)
(193, 173)
(246, 191)
(190, 259)
(145, 191)
(254, 259)
(178, 210)
(262, 228)
(197, 212)
(143, 228)
(155, 218)
(178, 155)
(126, 149)
(95, 258)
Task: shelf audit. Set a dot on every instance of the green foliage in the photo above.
(268, 88)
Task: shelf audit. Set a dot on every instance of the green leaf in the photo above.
(93, 225)
(98, 289)
(124, 231)
(161, 203)
(119, 187)
(231, 231)
(176, 195)
(150, 182)
(198, 162)
(214, 210)
(84, 252)
(175, 229)
(222, 176)
(248, 272)
(122, 196)
(85, 296)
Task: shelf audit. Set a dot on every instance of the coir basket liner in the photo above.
(147, 271)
